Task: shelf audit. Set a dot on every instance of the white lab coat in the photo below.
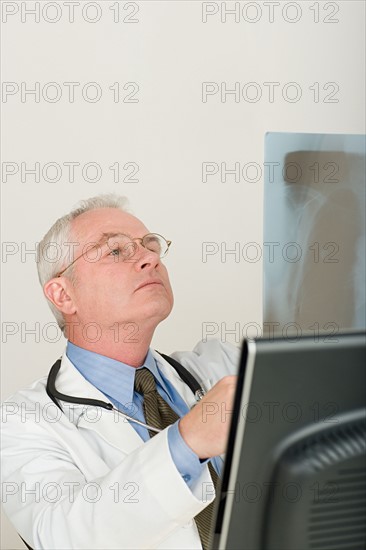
(86, 480)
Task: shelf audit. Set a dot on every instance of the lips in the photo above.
(149, 282)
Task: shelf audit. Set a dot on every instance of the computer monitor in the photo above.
(295, 469)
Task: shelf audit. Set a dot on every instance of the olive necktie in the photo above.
(160, 415)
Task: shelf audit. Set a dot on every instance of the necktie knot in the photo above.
(144, 381)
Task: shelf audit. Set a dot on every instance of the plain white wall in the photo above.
(169, 51)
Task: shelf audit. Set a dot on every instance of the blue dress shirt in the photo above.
(116, 380)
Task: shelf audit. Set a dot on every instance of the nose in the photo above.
(145, 258)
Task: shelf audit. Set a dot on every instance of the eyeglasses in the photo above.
(122, 247)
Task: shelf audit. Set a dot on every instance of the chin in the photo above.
(157, 311)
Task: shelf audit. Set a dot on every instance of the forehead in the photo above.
(90, 226)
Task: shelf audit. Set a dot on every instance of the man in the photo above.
(80, 476)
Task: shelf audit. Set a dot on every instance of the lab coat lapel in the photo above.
(109, 425)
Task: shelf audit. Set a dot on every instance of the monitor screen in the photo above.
(295, 469)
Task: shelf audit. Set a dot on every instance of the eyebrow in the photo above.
(109, 235)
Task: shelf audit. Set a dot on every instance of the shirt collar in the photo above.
(113, 378)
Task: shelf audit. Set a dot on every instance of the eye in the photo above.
(121, 248)
(153, 243)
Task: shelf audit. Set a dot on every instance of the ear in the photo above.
(57, 290)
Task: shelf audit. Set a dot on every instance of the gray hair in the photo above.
(54, 252)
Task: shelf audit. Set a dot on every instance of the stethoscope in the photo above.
(55, 395)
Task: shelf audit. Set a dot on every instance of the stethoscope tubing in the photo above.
(139, 422)
(56, 396)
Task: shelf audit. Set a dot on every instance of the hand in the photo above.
(206, 427)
